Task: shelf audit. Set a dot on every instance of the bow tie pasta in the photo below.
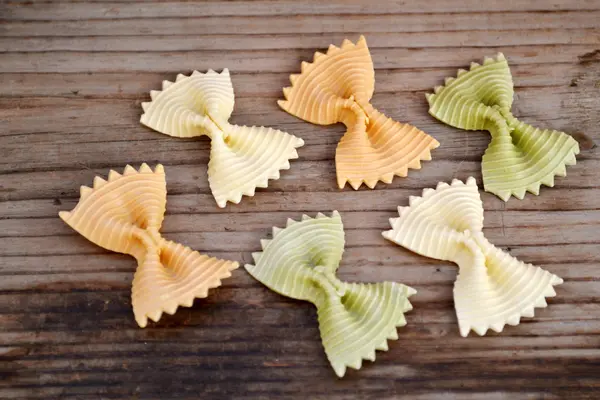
(242, 158)
(492, 288)
(355, 319)
(124, 214)
(337, 87)
(520, 157)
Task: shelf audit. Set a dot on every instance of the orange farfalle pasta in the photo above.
(337, 87)
(124, 214)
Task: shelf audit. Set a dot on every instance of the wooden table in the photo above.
(72, 78)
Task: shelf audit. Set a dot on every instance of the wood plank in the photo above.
(279, 314)
(558, 199)
(85, 119)
(261, 61)
(108, 279)
(103, 311)
(301, 24)
(166, 9)
(249, 241)
(358, 263)
(475, 38)
(138, 85)
(87, 113)
(72, 77)
(317, 175)
(251, 222)
(187, 333)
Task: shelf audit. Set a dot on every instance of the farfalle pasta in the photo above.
(492, 288)
(337, 87)
(355, 319)
(242, 158)
(124, 214)
(520, 157)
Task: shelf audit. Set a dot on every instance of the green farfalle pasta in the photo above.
(520, 157)
(355, 319)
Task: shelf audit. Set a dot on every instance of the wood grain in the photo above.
(72, 77)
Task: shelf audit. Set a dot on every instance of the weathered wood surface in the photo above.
(72, 77)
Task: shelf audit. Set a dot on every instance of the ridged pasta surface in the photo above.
(242, 158)
(124, 214)
(520, 157)
(337, 87)
(355, 319)
(492, 288)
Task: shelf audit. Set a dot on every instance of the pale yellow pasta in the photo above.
(492, 288)
(242, 158)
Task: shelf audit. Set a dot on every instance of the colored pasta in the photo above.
(355, 319)
(242, 158)
(124, 214)
(337, 87)
(520, 157)
(492, 288)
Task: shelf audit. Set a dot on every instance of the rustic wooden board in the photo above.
(72, 77)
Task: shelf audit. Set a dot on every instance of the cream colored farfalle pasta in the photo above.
(355, 319)
(492, 288)
(242, 158)
(124, 214)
